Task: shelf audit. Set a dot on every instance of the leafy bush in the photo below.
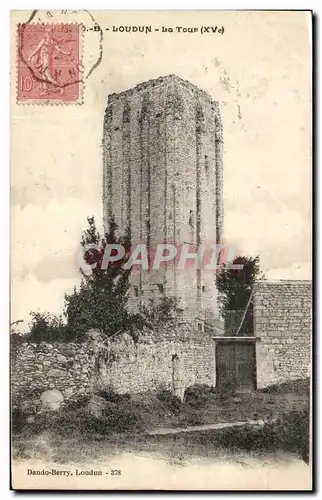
(172, 401)
(113, 397)
(191, 418)
(161, 311)
(293, 430)
(18, 420)
(123, 420)
(79, 404)
(46, 327)
(69, 422)
(199, 395)
(16, 338)
(289, 433)
(226, 389)
(300, 386)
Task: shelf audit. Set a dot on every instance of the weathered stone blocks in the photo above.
(121, 364)
(283, 325)
(162, 181)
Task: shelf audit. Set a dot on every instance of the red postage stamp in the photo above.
(49, 65)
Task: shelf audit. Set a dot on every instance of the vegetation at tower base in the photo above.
(100, 302)
(234, 288)
(162, 311)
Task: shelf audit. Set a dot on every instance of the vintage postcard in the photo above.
(161, 294)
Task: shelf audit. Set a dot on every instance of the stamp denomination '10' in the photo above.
(49, 66)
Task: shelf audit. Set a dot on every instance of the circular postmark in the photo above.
(57, 53)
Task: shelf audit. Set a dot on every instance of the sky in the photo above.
(258, 71)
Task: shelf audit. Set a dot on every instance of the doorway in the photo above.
(236, 365)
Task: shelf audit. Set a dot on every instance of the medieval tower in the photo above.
(163, 183)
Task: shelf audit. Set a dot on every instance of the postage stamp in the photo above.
(49, 63)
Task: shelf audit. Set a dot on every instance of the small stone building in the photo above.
(279, 348)
(283, 325)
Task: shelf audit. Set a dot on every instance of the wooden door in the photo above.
(236, 365)
(245, 366)
(225, 365)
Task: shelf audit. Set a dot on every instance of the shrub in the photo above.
(162, 311)
(120, 414)
(171, 401)
(112, 396)
(17, 338)
(300, 386)
(294, 431)
(123, 420)
(46, 327)
(191, 418)
(199, 395)
(68, 422)
(18, 420)
(289, 433)
(78, 404)
(226, 389)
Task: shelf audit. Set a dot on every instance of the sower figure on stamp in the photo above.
(42, 59)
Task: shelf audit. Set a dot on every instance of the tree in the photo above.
(235, 287)
(101, 301)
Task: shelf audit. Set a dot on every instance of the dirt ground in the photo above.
(244, 407)
(175, 462)
(200, 460)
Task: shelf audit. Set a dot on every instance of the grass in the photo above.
(300, 387)
(288, 434)
(205, 405)
(147, 411)
(73, 431)
(135, 413)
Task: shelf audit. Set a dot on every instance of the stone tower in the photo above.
(163, 182)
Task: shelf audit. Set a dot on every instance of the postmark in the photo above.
(49, 63)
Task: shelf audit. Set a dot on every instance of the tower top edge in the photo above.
(160, 81)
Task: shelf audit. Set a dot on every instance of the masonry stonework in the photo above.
(173, 357)
(162, 181)
(65, 367)
(282, 321)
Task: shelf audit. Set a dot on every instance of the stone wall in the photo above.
(174, 357)
(68, 368)
(282, 321)
(164, 360)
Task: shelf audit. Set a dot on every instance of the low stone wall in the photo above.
(173, 357)
(68, 368)
(173, 364)
(282, 321)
